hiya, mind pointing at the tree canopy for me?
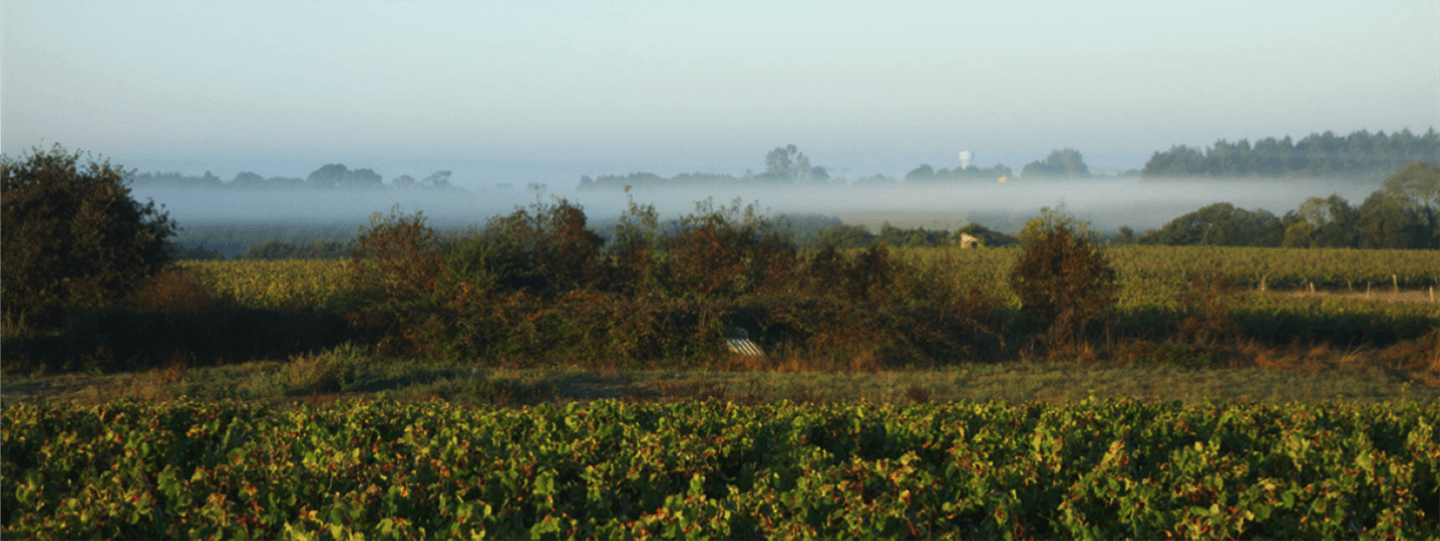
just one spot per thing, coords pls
(1404, 213)
(73, 237)
(1318, 154)
(1063, 163)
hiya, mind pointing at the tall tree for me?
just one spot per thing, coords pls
(1063, 163)
(73, 237)
(788, 163)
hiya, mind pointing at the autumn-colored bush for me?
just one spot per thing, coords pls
(542, 250)
(1065, 284)
(723, 252)
(398, 256)
(536, 287)
(865, 277)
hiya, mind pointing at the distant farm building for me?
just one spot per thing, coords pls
(968, 241)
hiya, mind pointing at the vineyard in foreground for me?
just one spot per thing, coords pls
(610, 469)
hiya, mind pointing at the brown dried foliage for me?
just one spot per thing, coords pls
(1064, 283)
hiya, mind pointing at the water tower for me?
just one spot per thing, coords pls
(966, 157)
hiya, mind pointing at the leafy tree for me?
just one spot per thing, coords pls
(789, 163)
(1300, 234)
(921, 174)
(725, 251)
(1335, 221)
(398, 256)
(1387, 222)
(1220, 224)
(1063, 163)
(1417, 186)
(1179, 161)
(336, 175)
(247, 178)
(543, 250)
(1405, 212)
(73, 237)
(1125, 235)
(438, 179)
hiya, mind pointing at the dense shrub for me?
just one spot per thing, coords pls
(398, 256)
(726, 251)
(542, 250)
(73, 237)
(535, 287)
(866, 276)
(1064, 283)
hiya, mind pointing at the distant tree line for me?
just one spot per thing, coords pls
(1404, 214)
(927, 174)
(783, 166)
(333, 176)
(270, 250)
(1322, 154)
(788, 166)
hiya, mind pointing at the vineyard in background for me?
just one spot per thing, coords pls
(1146, 273)
(1152, 280)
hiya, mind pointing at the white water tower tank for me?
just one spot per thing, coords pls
(966, 157)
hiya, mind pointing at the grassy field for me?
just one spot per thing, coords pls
(297, 381)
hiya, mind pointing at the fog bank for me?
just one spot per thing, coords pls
(1108, 202)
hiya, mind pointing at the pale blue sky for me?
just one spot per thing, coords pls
(595, 88)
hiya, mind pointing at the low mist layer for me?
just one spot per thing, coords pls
(1108, 202)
